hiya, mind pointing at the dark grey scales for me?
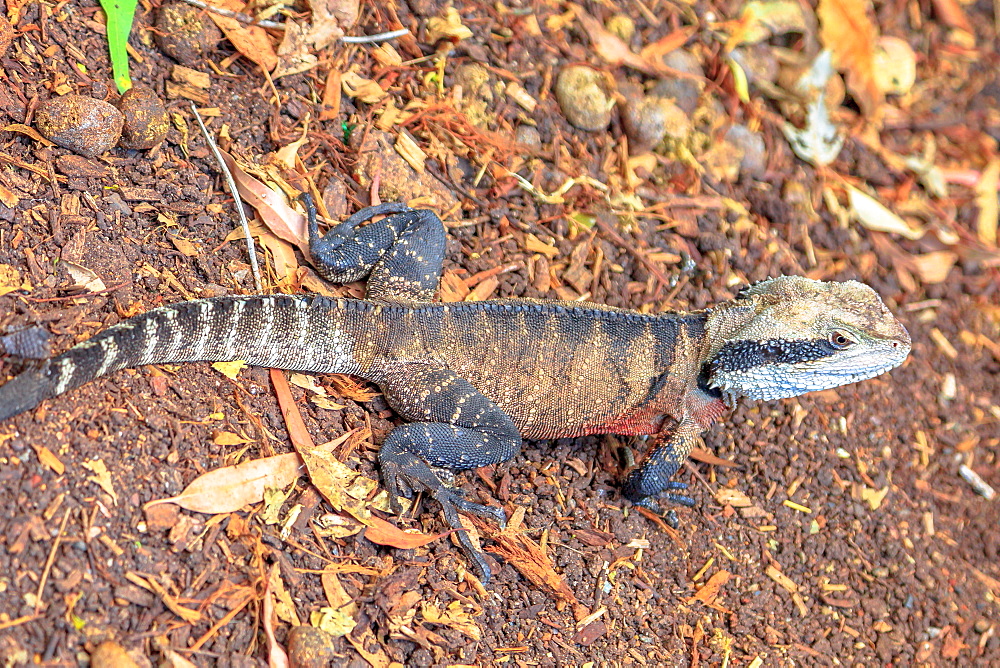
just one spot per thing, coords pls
(471, 380)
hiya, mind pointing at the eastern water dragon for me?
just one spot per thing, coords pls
(471, 379)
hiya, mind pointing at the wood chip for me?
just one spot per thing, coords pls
(783, 580)
(943, 344)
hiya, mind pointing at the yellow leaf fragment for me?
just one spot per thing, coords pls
(986, 200)
(449, 26)
(10, 280)
(875, 216)
(933, 267)
(228, 438)
(102, 477)
(334, 621)
(229, 369)
(874, 497)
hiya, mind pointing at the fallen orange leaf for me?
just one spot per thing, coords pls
(847, 30)
(386, 533)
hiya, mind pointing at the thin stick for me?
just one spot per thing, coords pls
(236, 199)
(48, 562)
(373, 39)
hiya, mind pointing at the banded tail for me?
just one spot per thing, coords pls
(301, 333)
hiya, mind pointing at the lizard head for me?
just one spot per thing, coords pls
(790, 335)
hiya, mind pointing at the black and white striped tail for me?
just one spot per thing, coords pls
(303, 333)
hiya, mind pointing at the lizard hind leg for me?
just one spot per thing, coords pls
(401, 254)
(455, 427)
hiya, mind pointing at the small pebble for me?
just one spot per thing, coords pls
(528, 135)
(82, 124)
(185, 33)
(310, 647)
(110, 654)
(982, 625)
(754, 161)
(583, 97)
(685, 93)
(146, 122)
(758, 61)
(648, 119)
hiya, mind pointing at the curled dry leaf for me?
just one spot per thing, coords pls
(228, 489)
(449, 26)
(873, 215)
(84, 279)
(279, 217)
(360, 88)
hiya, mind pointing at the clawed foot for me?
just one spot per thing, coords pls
(404, 473)
(651, 504)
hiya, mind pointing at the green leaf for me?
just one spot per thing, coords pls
(120, 14)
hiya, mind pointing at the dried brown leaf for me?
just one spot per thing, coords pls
(228, 489)
(609, 47)
(848, 31)
(284, 221)
(251, 41)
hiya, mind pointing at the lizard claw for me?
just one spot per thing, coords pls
(403, 472)
(670, 517)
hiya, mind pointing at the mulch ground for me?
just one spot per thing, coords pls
(836, 528)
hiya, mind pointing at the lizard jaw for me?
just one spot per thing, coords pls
(816, 369)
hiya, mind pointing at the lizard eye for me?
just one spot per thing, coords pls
(839, 340)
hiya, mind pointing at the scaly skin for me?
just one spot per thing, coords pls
(472, 379)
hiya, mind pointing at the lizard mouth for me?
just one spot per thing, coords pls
(772, 378)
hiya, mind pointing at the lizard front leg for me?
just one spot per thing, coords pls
(669, 451)
(401, 254)
(453, 426)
